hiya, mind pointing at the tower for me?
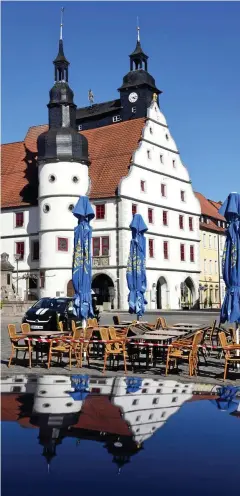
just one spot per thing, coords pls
(63, 177)
(138, 85)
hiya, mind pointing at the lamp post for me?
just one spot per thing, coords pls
(17, 257)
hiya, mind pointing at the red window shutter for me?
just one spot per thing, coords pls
(20, 249)
(180, 221)
(192, 253)
(190, 223)
(19, 219)
(165, 249)
(134, 209)
(96, 247)
(182, 252)
(150, 215)
(165, 218)
(105, 245)
(150, 246)
(100, 211)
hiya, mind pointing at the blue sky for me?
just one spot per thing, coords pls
(193, 50)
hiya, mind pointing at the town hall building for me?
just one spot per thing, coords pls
(122, 155)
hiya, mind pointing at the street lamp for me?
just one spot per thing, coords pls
(17, 257)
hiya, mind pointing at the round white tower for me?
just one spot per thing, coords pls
(63, 177)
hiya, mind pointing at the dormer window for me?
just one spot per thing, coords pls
(79, 127)
(116, 118)
(208, 221)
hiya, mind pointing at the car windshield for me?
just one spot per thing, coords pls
(52, 303)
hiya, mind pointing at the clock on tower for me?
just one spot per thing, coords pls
(138, 86)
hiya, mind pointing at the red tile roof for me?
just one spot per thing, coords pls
(110, 150)
(209, 209)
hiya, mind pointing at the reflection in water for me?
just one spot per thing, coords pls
(121, 413)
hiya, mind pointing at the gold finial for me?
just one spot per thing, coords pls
(154, 97)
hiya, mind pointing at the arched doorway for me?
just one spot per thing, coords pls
(162, 293)
(103, 288)
(70, 290)
(187, 293)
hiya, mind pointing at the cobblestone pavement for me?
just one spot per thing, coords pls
(212, 373)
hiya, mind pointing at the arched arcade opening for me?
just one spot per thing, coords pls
(104, 291)
(162, 293)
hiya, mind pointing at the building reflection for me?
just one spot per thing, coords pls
(120, 413)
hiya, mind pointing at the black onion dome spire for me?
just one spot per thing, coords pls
(139, 74)
(62, 142)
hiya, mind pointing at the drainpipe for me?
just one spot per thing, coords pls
(117, 250)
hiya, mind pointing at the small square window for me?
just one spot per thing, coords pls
(143, 184)
(62, 244)
(144, 391)
(163, 414)
(151, 131)
(100, 211)
(174, 399)
(150, 215)
(158, 391)
(134, 208)
(165, 217)
(150, 416)
(174, 163)
(161, 159)
(163, 190)
(19, 219)
(138, 418)
(182, 196)
(148, 154)
(134, 110)
(116, 118)
(79, 127)
(135, 402)
(155, 401)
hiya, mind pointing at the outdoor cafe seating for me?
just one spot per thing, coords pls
(141, 345)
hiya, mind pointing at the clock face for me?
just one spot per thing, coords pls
(133, 97)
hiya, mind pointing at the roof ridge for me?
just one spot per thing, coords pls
(12, 143)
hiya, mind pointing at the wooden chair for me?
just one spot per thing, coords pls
(60, 325)
(115, 348)
(184, 351)
(59, 348)
(25, 328)
(15, 338)
(230, 352)
(83, 348)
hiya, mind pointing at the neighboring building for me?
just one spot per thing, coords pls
(125, 166)
(212, 241)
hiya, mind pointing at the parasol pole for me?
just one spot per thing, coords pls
(238, 341)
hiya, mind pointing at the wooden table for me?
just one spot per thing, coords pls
(158, 338)
(169, 331)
